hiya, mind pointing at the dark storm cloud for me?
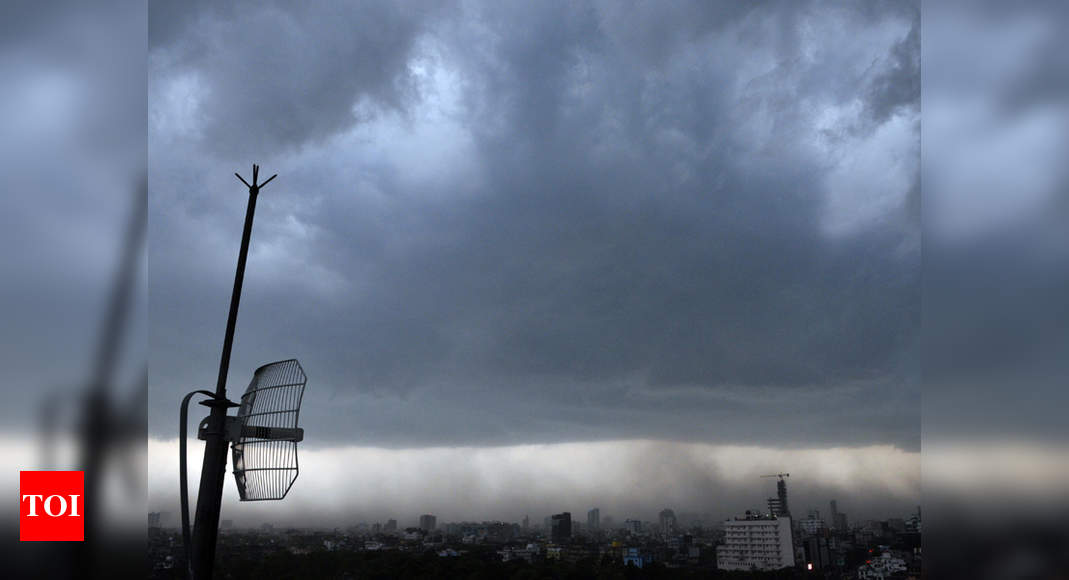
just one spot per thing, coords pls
(630, 239)
(899, 84)
(279, 75)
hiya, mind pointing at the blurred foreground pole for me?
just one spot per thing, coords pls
(209, 498)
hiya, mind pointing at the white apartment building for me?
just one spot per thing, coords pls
(756, 543)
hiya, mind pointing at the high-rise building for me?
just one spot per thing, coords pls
(667, 520)
(813, 523)
(838, 518)
(526, 523)
(755, 542)
(561, 527)
(428, 522)
(777, 506)
(593, 520)
(154, 519)
(390, 527)
(817, 553)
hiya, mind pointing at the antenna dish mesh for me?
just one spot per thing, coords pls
(265, 469)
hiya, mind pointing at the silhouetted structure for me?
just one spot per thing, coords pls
(667, 520)
(561, 527)
(593, 520)
(428, 522)
(817, 553)
(838, 519)
(264, 432)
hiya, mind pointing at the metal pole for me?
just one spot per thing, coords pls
(213, 471)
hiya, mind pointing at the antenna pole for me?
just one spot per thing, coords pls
(213, 471)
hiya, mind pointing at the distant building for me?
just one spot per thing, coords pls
(526, 523)
(667, 521)
(593, 520)
(762, 543)
(838, 518)
(812, 524)
(636, 557)
(886, 566)
(913, 524)
(428, 522)
(526, 554)
(561, 527)
(817, 553)
(154, 519)
(226, 524)
(390, 527)
(633, 527)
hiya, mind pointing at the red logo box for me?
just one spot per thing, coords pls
(51, 506)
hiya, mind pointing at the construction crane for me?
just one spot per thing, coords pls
(779, 475)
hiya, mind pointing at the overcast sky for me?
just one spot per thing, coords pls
(504, 224)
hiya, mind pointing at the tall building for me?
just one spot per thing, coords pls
(762, 543)
(838, 518)
(817, 553)
(390, 527)
(841, 523)
(813, 523)
(667, 519)
(428, 523)
(526, 523)
(777, 506)
(593, 520)
(561, 527)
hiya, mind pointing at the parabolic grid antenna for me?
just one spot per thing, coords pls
(265, 432)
